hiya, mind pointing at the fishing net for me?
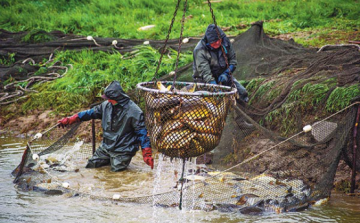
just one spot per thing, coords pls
(41, 151)
(185, 124)
(255, 167)
(272, 173)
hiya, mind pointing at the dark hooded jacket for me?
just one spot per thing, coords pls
(209, 63)
(123, 124)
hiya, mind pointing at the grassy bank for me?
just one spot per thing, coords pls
(122, 19)
(309, 22)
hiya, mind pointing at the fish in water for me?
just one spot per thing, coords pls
(251, 210)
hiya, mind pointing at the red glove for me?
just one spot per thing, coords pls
(147, 157)
(69, 120)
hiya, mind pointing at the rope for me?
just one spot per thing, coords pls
(339, 45)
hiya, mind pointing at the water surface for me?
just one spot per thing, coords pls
(31, 206)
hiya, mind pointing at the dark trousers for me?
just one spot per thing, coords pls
(119, 161)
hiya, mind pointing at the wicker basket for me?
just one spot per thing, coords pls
(185, 124)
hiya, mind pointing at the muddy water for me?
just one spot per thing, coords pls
(31, 206)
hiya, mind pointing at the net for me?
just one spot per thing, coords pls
(274, 174)
(185, 124)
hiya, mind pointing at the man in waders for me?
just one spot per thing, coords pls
(123, 130)
(209, 64)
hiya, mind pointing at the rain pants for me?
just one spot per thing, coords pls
(123, 127)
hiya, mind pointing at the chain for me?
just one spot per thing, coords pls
(180, 42)
(212, 13)
(222, 48)
(167, 38)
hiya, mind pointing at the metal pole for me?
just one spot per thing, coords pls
(93, 135)
(181, 180)
(93, 129)
(356, 136)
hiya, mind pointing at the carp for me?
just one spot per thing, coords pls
(211, 140)
(194, 112)
(165, 101)
(171, 125)
(161, 87)
(176, 139)
(206, 126)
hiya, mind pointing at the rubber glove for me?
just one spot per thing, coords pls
(68, 120)
(147, 157)
(224, 78)
(212, 82)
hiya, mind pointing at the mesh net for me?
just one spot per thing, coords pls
(186, 124)
(254, 167)
(302, 174)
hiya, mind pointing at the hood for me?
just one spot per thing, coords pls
(115, 92)
(211, 34)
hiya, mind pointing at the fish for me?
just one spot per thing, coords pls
(242, 199)
(194, 112)
(320, 202)
(189, 88)
(177, 140)
(211, 140)
(155, 133)
(53, 192)
(164, 115)
(172, 125)
(166, 101)
(161, 87)
(251, 210)
(227, 207)
(46, 187)
(206, 126)
(196, 147)
(175, 136)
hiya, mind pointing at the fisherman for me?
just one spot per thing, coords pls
(209, 64)
(123, 130)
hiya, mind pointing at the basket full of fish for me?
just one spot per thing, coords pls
(185, 119)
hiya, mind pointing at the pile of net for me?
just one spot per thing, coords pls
(187, 122)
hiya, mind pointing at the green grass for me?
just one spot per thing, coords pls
(121, 19)
(93, 71)
(308, 99)
(341, 97)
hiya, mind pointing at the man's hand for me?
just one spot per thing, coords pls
(147, 157)
(68, 120)
(224, 78)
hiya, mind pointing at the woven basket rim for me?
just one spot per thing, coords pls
(232, 91)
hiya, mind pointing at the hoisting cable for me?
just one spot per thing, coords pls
(181, 180)
(166, 40)
(180, 42)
